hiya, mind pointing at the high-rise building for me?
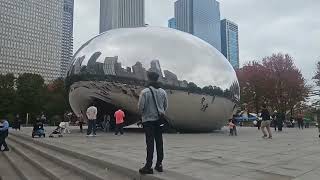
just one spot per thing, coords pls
(67, 36)
(121, 14)
(31, 37)
(230, 42)
(155, 67)
(172, 23)
(200, 18)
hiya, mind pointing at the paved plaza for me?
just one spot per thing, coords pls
(291, 154)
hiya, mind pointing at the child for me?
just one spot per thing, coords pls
(231, 126)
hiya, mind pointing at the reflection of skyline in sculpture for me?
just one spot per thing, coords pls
(111, 66)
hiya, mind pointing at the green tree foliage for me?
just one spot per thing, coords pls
(7, 94)
(56, 99)
(30, 94)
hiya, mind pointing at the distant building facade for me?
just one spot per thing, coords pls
(200, 18)
(230, 42)
(32, 37)
(67, 36)
(172, 23)
(109, 65)
(121, 14)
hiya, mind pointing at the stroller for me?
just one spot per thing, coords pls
(57, 132)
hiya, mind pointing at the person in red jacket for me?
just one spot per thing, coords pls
(119, 115)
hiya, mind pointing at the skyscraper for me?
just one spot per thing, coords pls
(230, 42)
(200, 18)
(121, 14)
(31, 37)
(67, 36)
(172, 23)
(155, 67)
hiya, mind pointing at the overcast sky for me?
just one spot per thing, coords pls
(265, 26)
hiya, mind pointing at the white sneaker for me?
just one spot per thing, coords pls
(90, 135)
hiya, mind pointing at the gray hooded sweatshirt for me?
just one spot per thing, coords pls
(147, 106)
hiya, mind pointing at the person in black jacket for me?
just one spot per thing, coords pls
(265, 123)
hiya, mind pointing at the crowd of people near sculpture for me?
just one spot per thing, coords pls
(152, 105)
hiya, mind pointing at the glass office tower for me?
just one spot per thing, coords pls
(200, 18)
(230, 42)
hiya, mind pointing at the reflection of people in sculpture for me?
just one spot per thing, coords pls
(202, 100)
(204, 107)
(153, 102)
(213, 98)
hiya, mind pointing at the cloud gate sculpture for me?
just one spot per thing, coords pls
(110, 69)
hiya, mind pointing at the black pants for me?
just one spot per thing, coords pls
(300, 124)
(153, 132)
(92, 127)
(119, 127)
(3, 136)
(259, 124)
(81, 128)
(231, 132)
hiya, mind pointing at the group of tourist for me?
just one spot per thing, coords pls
(91, 115)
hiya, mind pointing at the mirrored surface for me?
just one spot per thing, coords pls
(111, 68)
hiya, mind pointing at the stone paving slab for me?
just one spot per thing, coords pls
(290, 154)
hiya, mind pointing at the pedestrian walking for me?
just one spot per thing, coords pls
(4, 132)
(300, 120)
(153, 103)
(17, 122)
(230, 126)
(119, 116)
(265, 123)
(275, 120)
(280, 120)
(92, 112)
(234, 121)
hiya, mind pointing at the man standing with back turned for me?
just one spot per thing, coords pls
(92, 119)
(152, 102)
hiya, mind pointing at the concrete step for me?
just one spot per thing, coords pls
(122, 167)
(48, 166)
(25, 169)
(7, 171)
(64, 164)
